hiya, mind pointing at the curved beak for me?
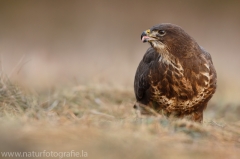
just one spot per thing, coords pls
(144, 37)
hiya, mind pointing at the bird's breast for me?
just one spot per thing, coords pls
(177, 87)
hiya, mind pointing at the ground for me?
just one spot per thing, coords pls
(98, 122)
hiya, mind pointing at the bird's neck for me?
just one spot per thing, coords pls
(166, 57)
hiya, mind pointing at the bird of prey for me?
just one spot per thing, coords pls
(176, 76)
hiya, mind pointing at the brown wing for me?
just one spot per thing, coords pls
(212, 69)
(142, 81)
(207, 55)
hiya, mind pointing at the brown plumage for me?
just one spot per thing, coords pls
(176, 76)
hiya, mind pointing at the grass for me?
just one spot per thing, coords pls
(100, 121)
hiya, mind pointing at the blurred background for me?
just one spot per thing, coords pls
(45, 43)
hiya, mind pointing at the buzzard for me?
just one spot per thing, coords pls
(176, 76)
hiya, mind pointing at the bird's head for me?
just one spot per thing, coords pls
(170, 37)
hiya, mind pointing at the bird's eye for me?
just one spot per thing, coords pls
(161, 32)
